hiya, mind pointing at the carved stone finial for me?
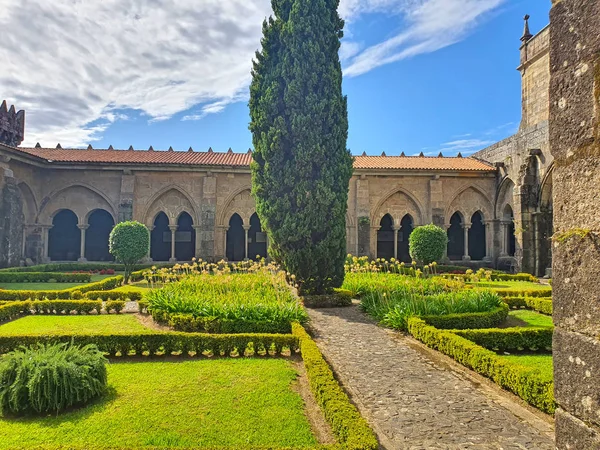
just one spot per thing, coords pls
(526, 34)
(190, 150)
(230, 151)
(58, 147)
(38, 145)
(383, 154)
(364, 154)
(12, 125)
(90, 147)
(249, 151)
(440, 155)
(130, 148)
(171, 149)
(421, 154)
(3, 107)
(110, 147)
(459, 155)
(402, 154)
(210, 150)
(151, 149)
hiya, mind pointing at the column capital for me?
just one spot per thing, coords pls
(246, 227)
(506, 222)
(173, 227)
(83, 226)
(466, 226)
(197, 227)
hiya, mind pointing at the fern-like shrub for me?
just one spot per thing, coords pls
(50, 378)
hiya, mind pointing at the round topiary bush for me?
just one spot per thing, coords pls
(129, 242)
(50, 378)
(427, 244)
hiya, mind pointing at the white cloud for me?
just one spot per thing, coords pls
(431, 25)
(72, 63)
(465, 145)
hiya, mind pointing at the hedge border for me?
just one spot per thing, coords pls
(65, 294)
(510, 339)
(540, 304)
(14, 310)
(544, 293)
(464, 321)
(66, 267)
(350, 428)
(527, 383)
(44, 277)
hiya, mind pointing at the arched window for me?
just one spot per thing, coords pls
(160, 239)
(477, 237)
(509, 231)
(236, 239)
(406, 228)
(100, 224)
(257, 239)
(64, 238)
(385, 238)
(456, 237)
(185, 238)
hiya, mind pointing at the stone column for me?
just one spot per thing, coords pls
(575, 145)
(373, 241)
(488, 240)
(395, 228)
(82, 227)
(246, 229)
(505, 231)
(148, 258)
(197, 230)
(173, 229)
(466, 227)
(224, 230)
(45, 238)
(445, 258)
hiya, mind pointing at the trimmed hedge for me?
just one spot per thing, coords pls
(350, 428)
(542, 305)
(41, 277)
(68, 267)
(14, 310)
(129, 295)
(105, 285)
(340, 297)
(143, 306)
(496, 276)
(114, 305)
(510, 339)
(191, 324)
(464, 321)
(527, 383)
(524, 293)
(159, 343)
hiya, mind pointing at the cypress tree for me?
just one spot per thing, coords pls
(299, 123)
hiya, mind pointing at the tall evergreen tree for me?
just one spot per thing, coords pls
(299, 122)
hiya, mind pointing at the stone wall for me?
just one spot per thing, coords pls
(11, 219)
(575, 144)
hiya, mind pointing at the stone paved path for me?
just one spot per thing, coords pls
(412, 401)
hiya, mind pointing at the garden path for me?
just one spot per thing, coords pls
(415, 400)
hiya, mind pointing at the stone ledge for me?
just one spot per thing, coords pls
(573, 434)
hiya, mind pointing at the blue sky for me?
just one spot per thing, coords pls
(420, 75)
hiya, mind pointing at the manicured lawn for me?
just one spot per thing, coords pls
(223, 402)
(48, 286)
(115, 324)
(536, 361)
(526, 318)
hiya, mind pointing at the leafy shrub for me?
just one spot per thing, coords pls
(524, 292)
(510, 339)
(339, 297)
(129, 242)
(65, 306)
(529, 384)
(235, 301)
(41, 277)
(114, 305)
(143, 306)
(462, 321)
(128, 295)
(427, 244)
(50, 378)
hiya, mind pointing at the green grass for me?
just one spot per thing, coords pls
(49, 286)
(536, 361)
(526, 318)
(223, 402)
(113, 323)
(511, 285)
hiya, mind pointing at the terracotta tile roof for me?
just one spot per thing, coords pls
(230, 159)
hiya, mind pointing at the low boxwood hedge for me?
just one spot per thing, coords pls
(540, 304)
(129, 295)
(163, 343)
(464, 321)
(545, 293)
(510, 339)
(76, 292)
(13, 310)
(189, 323)
(42, 277)
(349, 427)
(340, 297)
(68, 267)
(527, 383)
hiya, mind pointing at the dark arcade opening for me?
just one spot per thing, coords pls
(100, 224)
(385, 238)
(160, 239)
(236, 241)
(257, 239)
(477, 237)
(456, 238)
(511, 240)
(185, 238)
(406, 228)
(64, 238)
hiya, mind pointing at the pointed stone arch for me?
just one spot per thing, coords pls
(397, 203)
(172, 200)
(504, 196)
(468, 200)
(30, 205)
(238, 202)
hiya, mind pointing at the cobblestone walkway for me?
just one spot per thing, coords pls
(414, 402)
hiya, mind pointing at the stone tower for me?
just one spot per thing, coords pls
(12, 125)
